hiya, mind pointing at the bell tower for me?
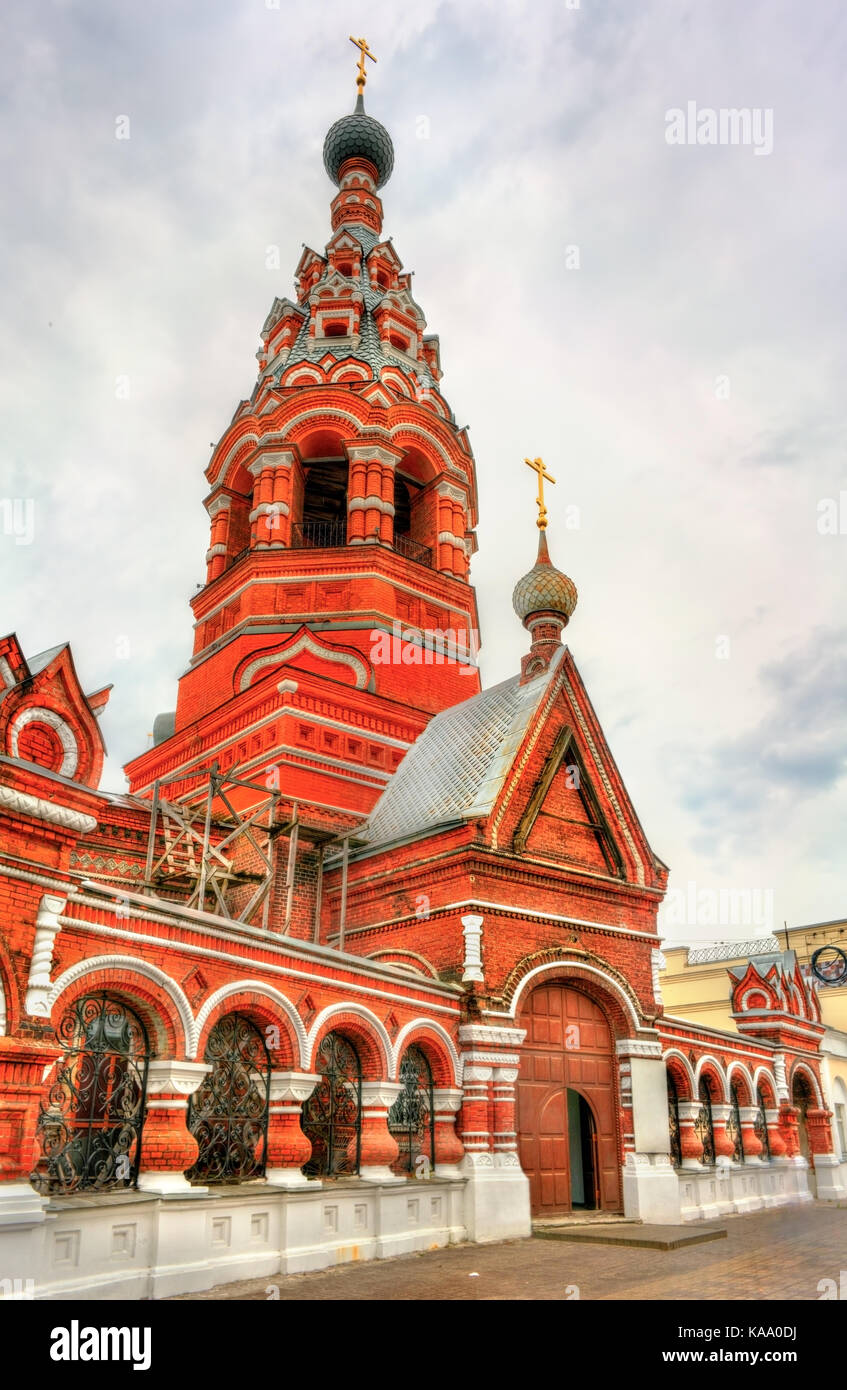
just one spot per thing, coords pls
(337, 615)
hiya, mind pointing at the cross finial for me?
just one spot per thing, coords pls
(364, 52)
(537, 466)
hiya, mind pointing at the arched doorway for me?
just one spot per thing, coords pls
(567, 1107)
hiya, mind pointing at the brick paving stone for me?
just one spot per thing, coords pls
(775, 1255)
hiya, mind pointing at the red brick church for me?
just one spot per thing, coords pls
(366, 960)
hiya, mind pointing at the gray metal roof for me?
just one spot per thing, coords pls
(38, 663)
(457, 766)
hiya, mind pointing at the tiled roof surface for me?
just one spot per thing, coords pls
(458, 764)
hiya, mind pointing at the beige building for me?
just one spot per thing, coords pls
(696, 985)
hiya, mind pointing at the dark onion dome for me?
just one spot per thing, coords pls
(545, 589)
(359, 136)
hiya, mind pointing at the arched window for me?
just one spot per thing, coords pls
(411, 1117)
(703, 1127)
(733, 1127)
(761, 1125)
(324, 521)
(228, 1114)
(673, 1121)
(332, 1116)
(89, 1126)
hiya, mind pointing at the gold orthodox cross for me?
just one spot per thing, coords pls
(537, 466)
(364, 52)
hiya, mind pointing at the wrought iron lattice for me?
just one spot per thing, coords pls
(673, 1123)
(411, 1117)
(703, 1126)
(89, 1126)
(228, 1114)
(332, 1116)
(760, 1126)
(733, 1128)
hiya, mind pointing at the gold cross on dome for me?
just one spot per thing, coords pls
(537, 466)
(364, 52)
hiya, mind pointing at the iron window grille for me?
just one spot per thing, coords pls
(228, 1114)
(703, 1126)
(733, 1128)
(411, 1117)
(761, 1125)
(673, 1122)
(89, 1127)
(332, 1116)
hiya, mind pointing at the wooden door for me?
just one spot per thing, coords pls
(568, 1045)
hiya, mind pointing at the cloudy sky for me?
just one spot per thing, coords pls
(662, 322)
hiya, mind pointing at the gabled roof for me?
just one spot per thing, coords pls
(455, 769)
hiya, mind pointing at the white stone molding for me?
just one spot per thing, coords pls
(561, 969)
(119, 966)
(306, 643)
(658, 963)
(679, 1056)
(472, 964)
(22, 804)
(362, 504)
(478, 1058)
(268, 992)
(491, 1034)
(60, 726)
(801, 1069)
(372, 453)
(424, 1026)
(780, 1076)
(221, 503)
(47, 928)
(7, 675)
(358, 1011)
(280, 458)
(3, 1015)
(638, 1047)
(711, 1061)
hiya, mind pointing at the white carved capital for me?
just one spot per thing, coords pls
(447, 1100)
(292, 1085)
(168, 1077)
(380, 1095)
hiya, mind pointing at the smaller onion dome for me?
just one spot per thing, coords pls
(544, 590)
(359, 136)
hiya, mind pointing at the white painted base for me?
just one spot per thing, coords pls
(830, 1178)
(377, 1172)
(140, 1245)
(496, 1198)
(734, 1188)
(651, 1190)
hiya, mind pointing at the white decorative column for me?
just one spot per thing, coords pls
(378, 1148)
(288, 1147)
(497, 1194)
(472, 965)
(168, 1148)
(650, 1183)
(47, 928)
(449, 1149)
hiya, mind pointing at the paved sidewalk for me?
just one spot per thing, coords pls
(768, 1255)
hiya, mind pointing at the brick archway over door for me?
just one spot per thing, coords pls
(569, 1046)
